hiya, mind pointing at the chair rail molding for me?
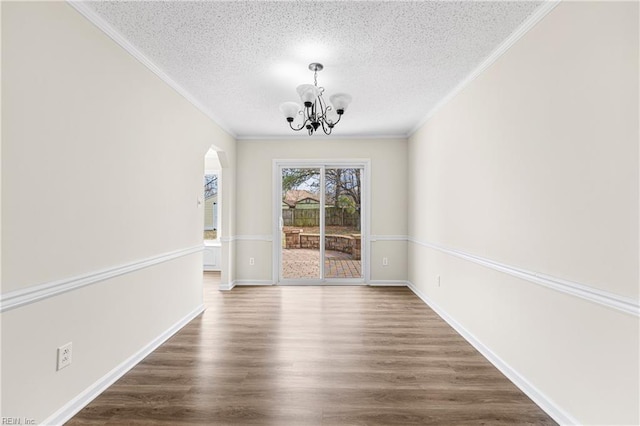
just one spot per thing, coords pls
(583, 291)
(268, 238)
(375, 238)
(24, 296)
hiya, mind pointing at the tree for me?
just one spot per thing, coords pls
(210, 185)
(344, 186)
(296, 178)
(349, 186)
(337, 182)
(345, 182)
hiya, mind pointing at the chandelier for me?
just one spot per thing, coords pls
(315, 113)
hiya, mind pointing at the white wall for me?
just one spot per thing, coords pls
(102, 166)
(388, 198)
(534, 165)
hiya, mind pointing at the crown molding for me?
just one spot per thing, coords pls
(527, 25)
(115, 35)
(298, 138)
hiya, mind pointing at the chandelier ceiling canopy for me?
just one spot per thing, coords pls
(315, 112)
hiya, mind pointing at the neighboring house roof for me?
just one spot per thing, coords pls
(294, 196)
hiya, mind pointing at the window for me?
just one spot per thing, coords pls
(211, 206)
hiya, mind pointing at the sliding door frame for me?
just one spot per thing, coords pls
(365, 218)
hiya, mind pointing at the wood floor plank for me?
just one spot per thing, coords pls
(313, 356)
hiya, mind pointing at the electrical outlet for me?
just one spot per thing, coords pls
(385, 261)
(64, 356)
(438, 280)
(252, 261)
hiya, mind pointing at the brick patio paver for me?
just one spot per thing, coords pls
(305, 263)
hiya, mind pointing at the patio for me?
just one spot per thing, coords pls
(305, 263)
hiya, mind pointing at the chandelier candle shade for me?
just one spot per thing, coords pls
(315, 110)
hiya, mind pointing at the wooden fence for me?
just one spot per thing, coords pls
(334, 216)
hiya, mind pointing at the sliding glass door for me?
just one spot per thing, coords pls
(300, 220)
(320, 223)
(342, 236)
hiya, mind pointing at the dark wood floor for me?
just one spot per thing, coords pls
(313, 356)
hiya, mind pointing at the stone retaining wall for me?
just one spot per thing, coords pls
(351, 244)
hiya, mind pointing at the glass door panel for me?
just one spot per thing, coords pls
(342, 223)
(301, 226)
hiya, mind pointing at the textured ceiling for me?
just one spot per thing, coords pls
(241, 59)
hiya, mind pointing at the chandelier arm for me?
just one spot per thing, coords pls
(293, 128)
(324, 128)
(327, 127)
(333, 124)
(299, 128)
(306, 115)
(323, 108)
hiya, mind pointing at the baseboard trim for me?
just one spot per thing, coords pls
(373, 283)
(538, 397)
(35, 293)
(72, 407)
(388, 283)
(583, 291)
(226, 286)
(253, 282)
